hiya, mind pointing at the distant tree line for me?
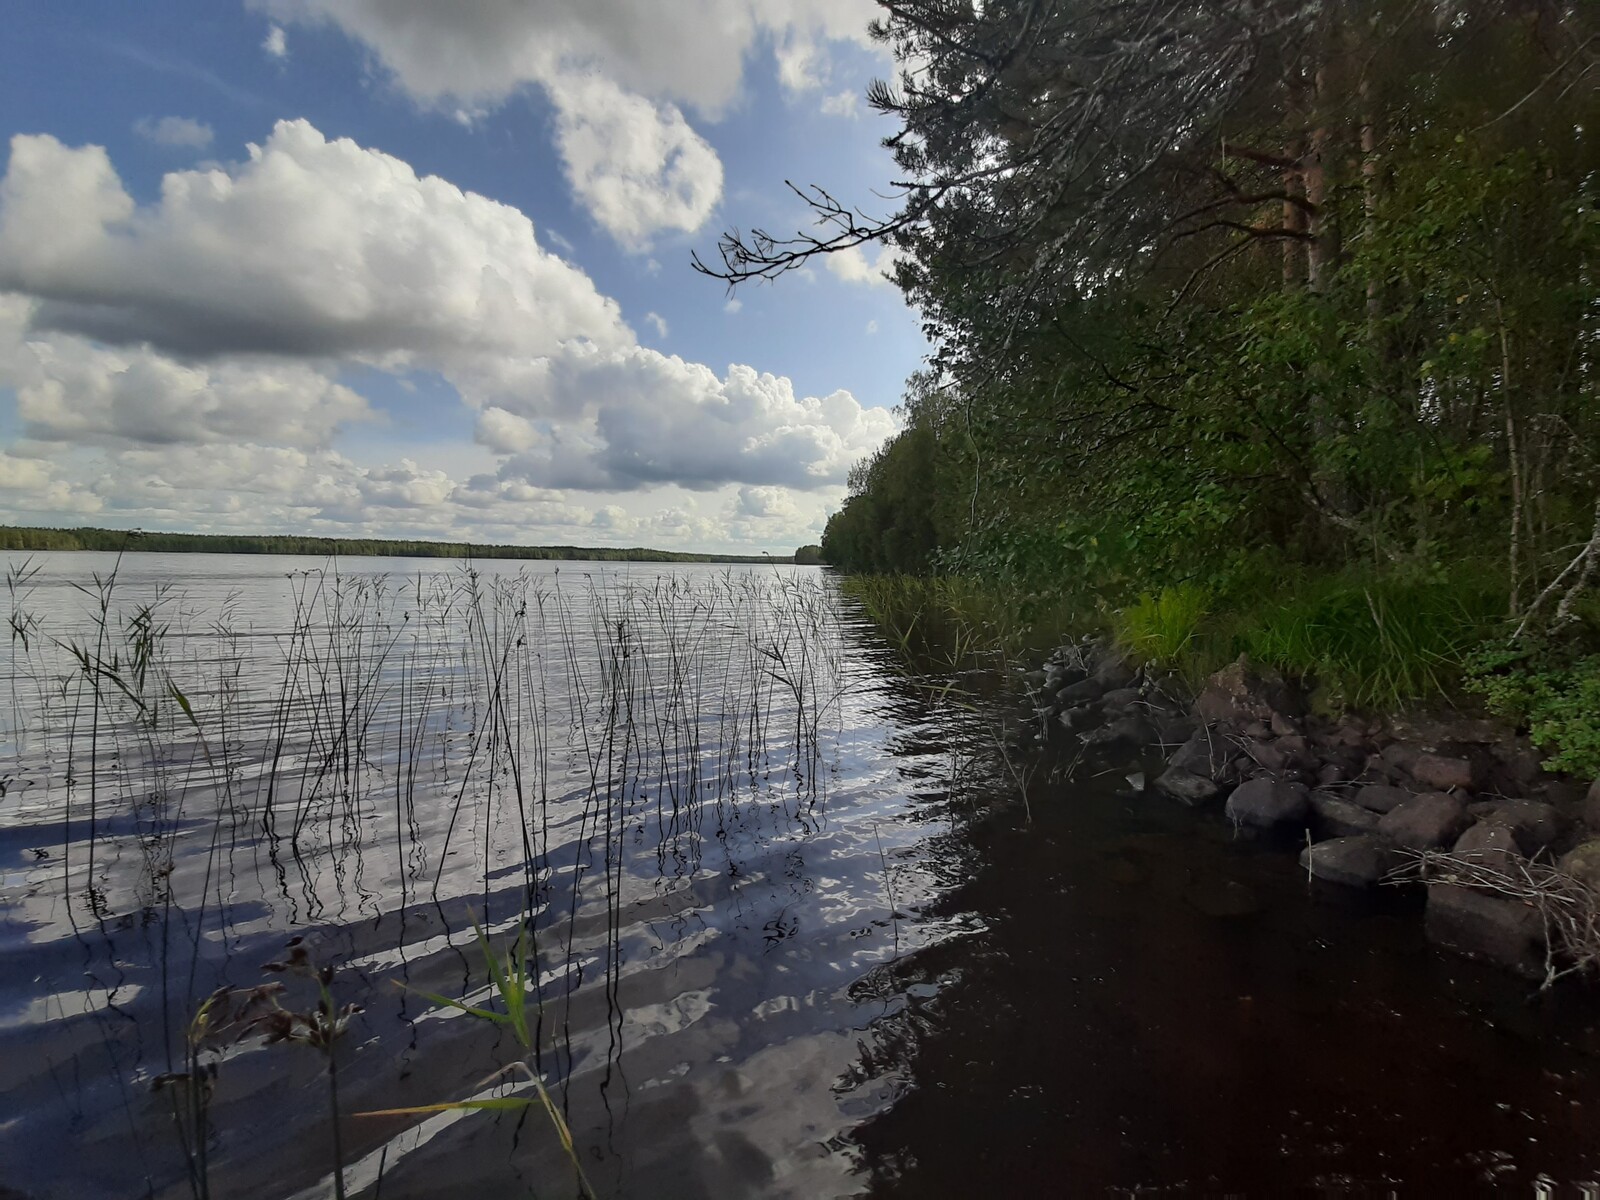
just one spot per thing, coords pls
(14, 537)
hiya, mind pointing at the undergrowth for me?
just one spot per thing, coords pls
(1363, 639)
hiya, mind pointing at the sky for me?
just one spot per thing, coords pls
(401, 268)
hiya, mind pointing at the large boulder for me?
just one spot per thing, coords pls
(1489, 844)
(1341, 818)
(1359, 861)
(1268, 804)
(1491, 928)
(1187, 787)
(1534, 824)
(1241, 693)
(1425, 822)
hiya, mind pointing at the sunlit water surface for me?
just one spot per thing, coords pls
(790, 933)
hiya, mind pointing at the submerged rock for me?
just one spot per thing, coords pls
(1186, 786)
(1208, 752)
(1425, 822)
(1359, 861)
(1267, 804)
(1494, 929)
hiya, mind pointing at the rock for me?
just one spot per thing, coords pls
(1121, 697)
(1377, 768)
(1113, 671)
(1339, 818)
(1077, 718)
(1535, 825)
(1330, 773)
(1358, 861)
(1519, 764)
(1186, 786)
(1267, 754)
(1583, 864)
(1560, 792)
(1129, 731)
(1425, 822)
(1490, 844)
(1085, 691)
(1381, 798)
(1490, 928)
(1591, 806)
(1430, 731)
(1175, 730)
(1349, 735)
(1399, 755)
(1267, 804)
(1241, 693)
(1207, 752)
(1283, 725)
(1442, 773)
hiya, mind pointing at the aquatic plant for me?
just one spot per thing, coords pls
(508, 973)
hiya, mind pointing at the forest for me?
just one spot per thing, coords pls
(1266, 327)
(15, 537)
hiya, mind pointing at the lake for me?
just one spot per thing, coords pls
(787, 928)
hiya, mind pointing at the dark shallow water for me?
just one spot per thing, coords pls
(783, 947)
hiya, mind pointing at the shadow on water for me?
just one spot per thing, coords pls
(789, 933)
(1156, 1006)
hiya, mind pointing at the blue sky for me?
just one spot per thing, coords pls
(392, 268)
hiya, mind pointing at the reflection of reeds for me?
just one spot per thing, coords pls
(529, 719)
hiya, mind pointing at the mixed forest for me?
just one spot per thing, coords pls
(1267, 326)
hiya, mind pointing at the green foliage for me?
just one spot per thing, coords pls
(1160, 628)
(808, 556)
(1367, 639)
(1554, 693)
(953, 621)
(509, 974)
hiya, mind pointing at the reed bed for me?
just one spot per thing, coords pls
(501, 741)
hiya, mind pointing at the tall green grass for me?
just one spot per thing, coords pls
(1161, 627)
(1366, 640)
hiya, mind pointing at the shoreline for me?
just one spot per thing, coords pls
(1508, 852)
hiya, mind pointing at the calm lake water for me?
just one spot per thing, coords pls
(789, 933)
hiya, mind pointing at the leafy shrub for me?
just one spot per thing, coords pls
(1555, 696)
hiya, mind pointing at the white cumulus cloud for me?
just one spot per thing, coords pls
(637, 166)
(308, 247)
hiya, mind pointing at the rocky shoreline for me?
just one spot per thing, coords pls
(1509, 855)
